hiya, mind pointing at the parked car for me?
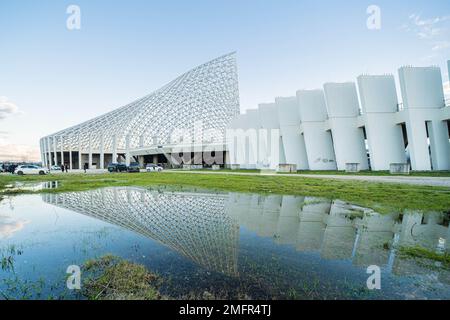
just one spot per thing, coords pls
(117, 167)
(55, 168)
(30, 169)
(134, 167)
(153, 168)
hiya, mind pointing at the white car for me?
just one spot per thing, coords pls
(153, 168)
(55, 168)
(30, 169)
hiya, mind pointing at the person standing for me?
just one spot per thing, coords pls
(85, 167)
(66, 167)
(62, 167)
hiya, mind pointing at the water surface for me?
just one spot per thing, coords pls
(220, 245)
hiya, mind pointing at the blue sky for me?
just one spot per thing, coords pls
(51, 77)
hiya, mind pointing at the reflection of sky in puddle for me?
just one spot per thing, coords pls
(31, 186)
(231, 245)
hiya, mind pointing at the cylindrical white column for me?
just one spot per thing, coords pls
(55, 155)
(41, 144)
(102, 151)
(61, 139)
(90, 152)
(70, 154)
(127, 149)
(80, 154)
(49, 152)
(114, 148)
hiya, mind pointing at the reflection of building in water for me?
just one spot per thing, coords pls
(193, 224)
(338, 230)
(205, 227)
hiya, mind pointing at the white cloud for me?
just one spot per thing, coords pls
(14, 152)
(8, 226)
(7, 108)
(436, 30)
(441, 45)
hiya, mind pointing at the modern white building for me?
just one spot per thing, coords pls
(189, 115)
(346, 126)
(343, 126)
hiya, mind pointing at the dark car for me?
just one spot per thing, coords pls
(134, 167)
(117, 167)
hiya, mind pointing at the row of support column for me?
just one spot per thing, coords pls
(50, 150)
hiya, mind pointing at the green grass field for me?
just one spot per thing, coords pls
(378, 196)
(443, 174)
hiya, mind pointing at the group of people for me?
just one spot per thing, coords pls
(65, 168)
(8, 168)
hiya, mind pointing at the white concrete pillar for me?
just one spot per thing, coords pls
(439, 144)
(270, 145)
(69, 149)
(49, 152)
(41, 148)
(348, 139)
(141, 161)
(114, 149)
(253, 126)
(318, 143)
(423, 99)
(293, 141)
(90, 152)
(70, 154)
(237, 141)
(61, 139)
(379, 105)
(55, 155)
(102, 151)
(80, 153)
(127, 149)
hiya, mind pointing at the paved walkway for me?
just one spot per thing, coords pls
(412, 180)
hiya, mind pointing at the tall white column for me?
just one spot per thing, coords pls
(49, 152)
(114, 147)
(102, 151)
(41, 145)
(80, 154)
(70, 154)
(127, 149)
(90, 152)
(55, 155)
(318, 142)
(343, 110)
(62, 149)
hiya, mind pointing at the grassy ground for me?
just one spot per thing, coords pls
(112, 278)
(378, 196)
(443, 174)
(381, 173)
(423, 253)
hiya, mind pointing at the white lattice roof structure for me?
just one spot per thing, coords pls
(195, 225)
(208, 94)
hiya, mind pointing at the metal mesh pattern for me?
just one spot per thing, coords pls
(208, 93)
(195, 225)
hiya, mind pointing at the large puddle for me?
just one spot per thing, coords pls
(221, 245)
